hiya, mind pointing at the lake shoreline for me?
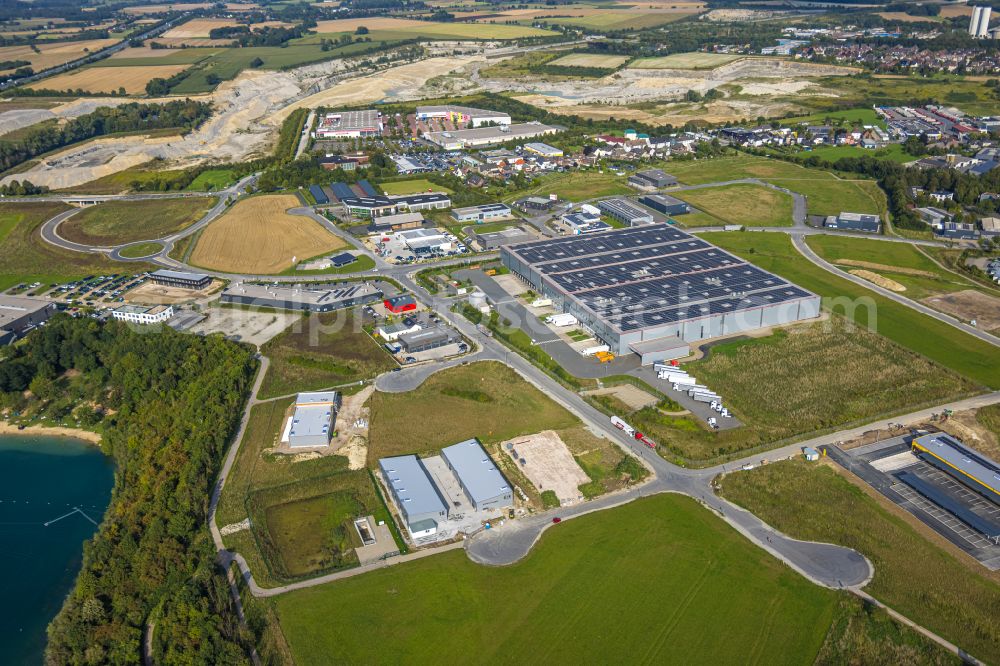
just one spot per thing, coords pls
(53, 431)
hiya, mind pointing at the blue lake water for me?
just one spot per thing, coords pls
(41, 480)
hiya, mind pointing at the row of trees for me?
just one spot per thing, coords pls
(184, 114)
(170, 404)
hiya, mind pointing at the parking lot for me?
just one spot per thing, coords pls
(463, 517)
(244, 325)
(396, 250)
(880, 466)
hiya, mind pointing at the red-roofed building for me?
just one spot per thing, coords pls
(398, 304)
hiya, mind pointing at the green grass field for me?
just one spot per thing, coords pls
(322, 350)
(264, 484)
(117, 222)
(901, 262)
(25, 257)
(486, 400)
(936, 340)
(592, 590)
(212, 179)
(575, 186)
(820, 377)
(893, 152)
(415, 186)
(363, 263)
(749, 205)
(123, 181)
(141, 250)
(827, 194)
(933, 586)
(865, 116)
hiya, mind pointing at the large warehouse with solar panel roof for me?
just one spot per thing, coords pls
(656, 282)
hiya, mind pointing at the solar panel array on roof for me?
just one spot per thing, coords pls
(342, 190)
(653, 276)
(318, 194)
(367, 188)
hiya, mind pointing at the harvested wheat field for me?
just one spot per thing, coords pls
(590, 60)
(258, 236)
(54, 54)
(880, 280)
(203, 27)
(109, 79)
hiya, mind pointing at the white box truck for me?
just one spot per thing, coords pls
(560, 320)
(621, 425)
(590, 351)
(541, 302)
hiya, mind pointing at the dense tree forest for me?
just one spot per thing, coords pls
(185, 114)
(167, 405)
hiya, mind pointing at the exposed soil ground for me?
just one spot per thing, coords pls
(157, 294)
(968, 305)
(632, 396)
(880, 280)
(548, 464)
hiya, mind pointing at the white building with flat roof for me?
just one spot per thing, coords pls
(351, 124)
(143, 314)
(463, 115)
(311, 423)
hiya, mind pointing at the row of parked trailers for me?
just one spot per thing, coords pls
(680, 380)
(342, 191)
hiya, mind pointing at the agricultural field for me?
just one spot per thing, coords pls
(744, 204)
(696, 60)
(864, 116)
(323, 350)
(590, 60)
(398, 28)
(415, 186)
(118, 222)
(54, 54)
(258, 236)
(906, 264)
(933, 339)
(546, 607)
(916, 572)
(827, 194)
(574, 186)
(201, 28)
(108, 79)
(620, 20)
(820, 376)
(25, 257)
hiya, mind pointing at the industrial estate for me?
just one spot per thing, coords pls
(390, 314)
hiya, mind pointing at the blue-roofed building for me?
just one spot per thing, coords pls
(478, 475)
(342, 259)
(318, 194)
(964, 464)
(414, 493)
(369, 190)
(342, 191)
